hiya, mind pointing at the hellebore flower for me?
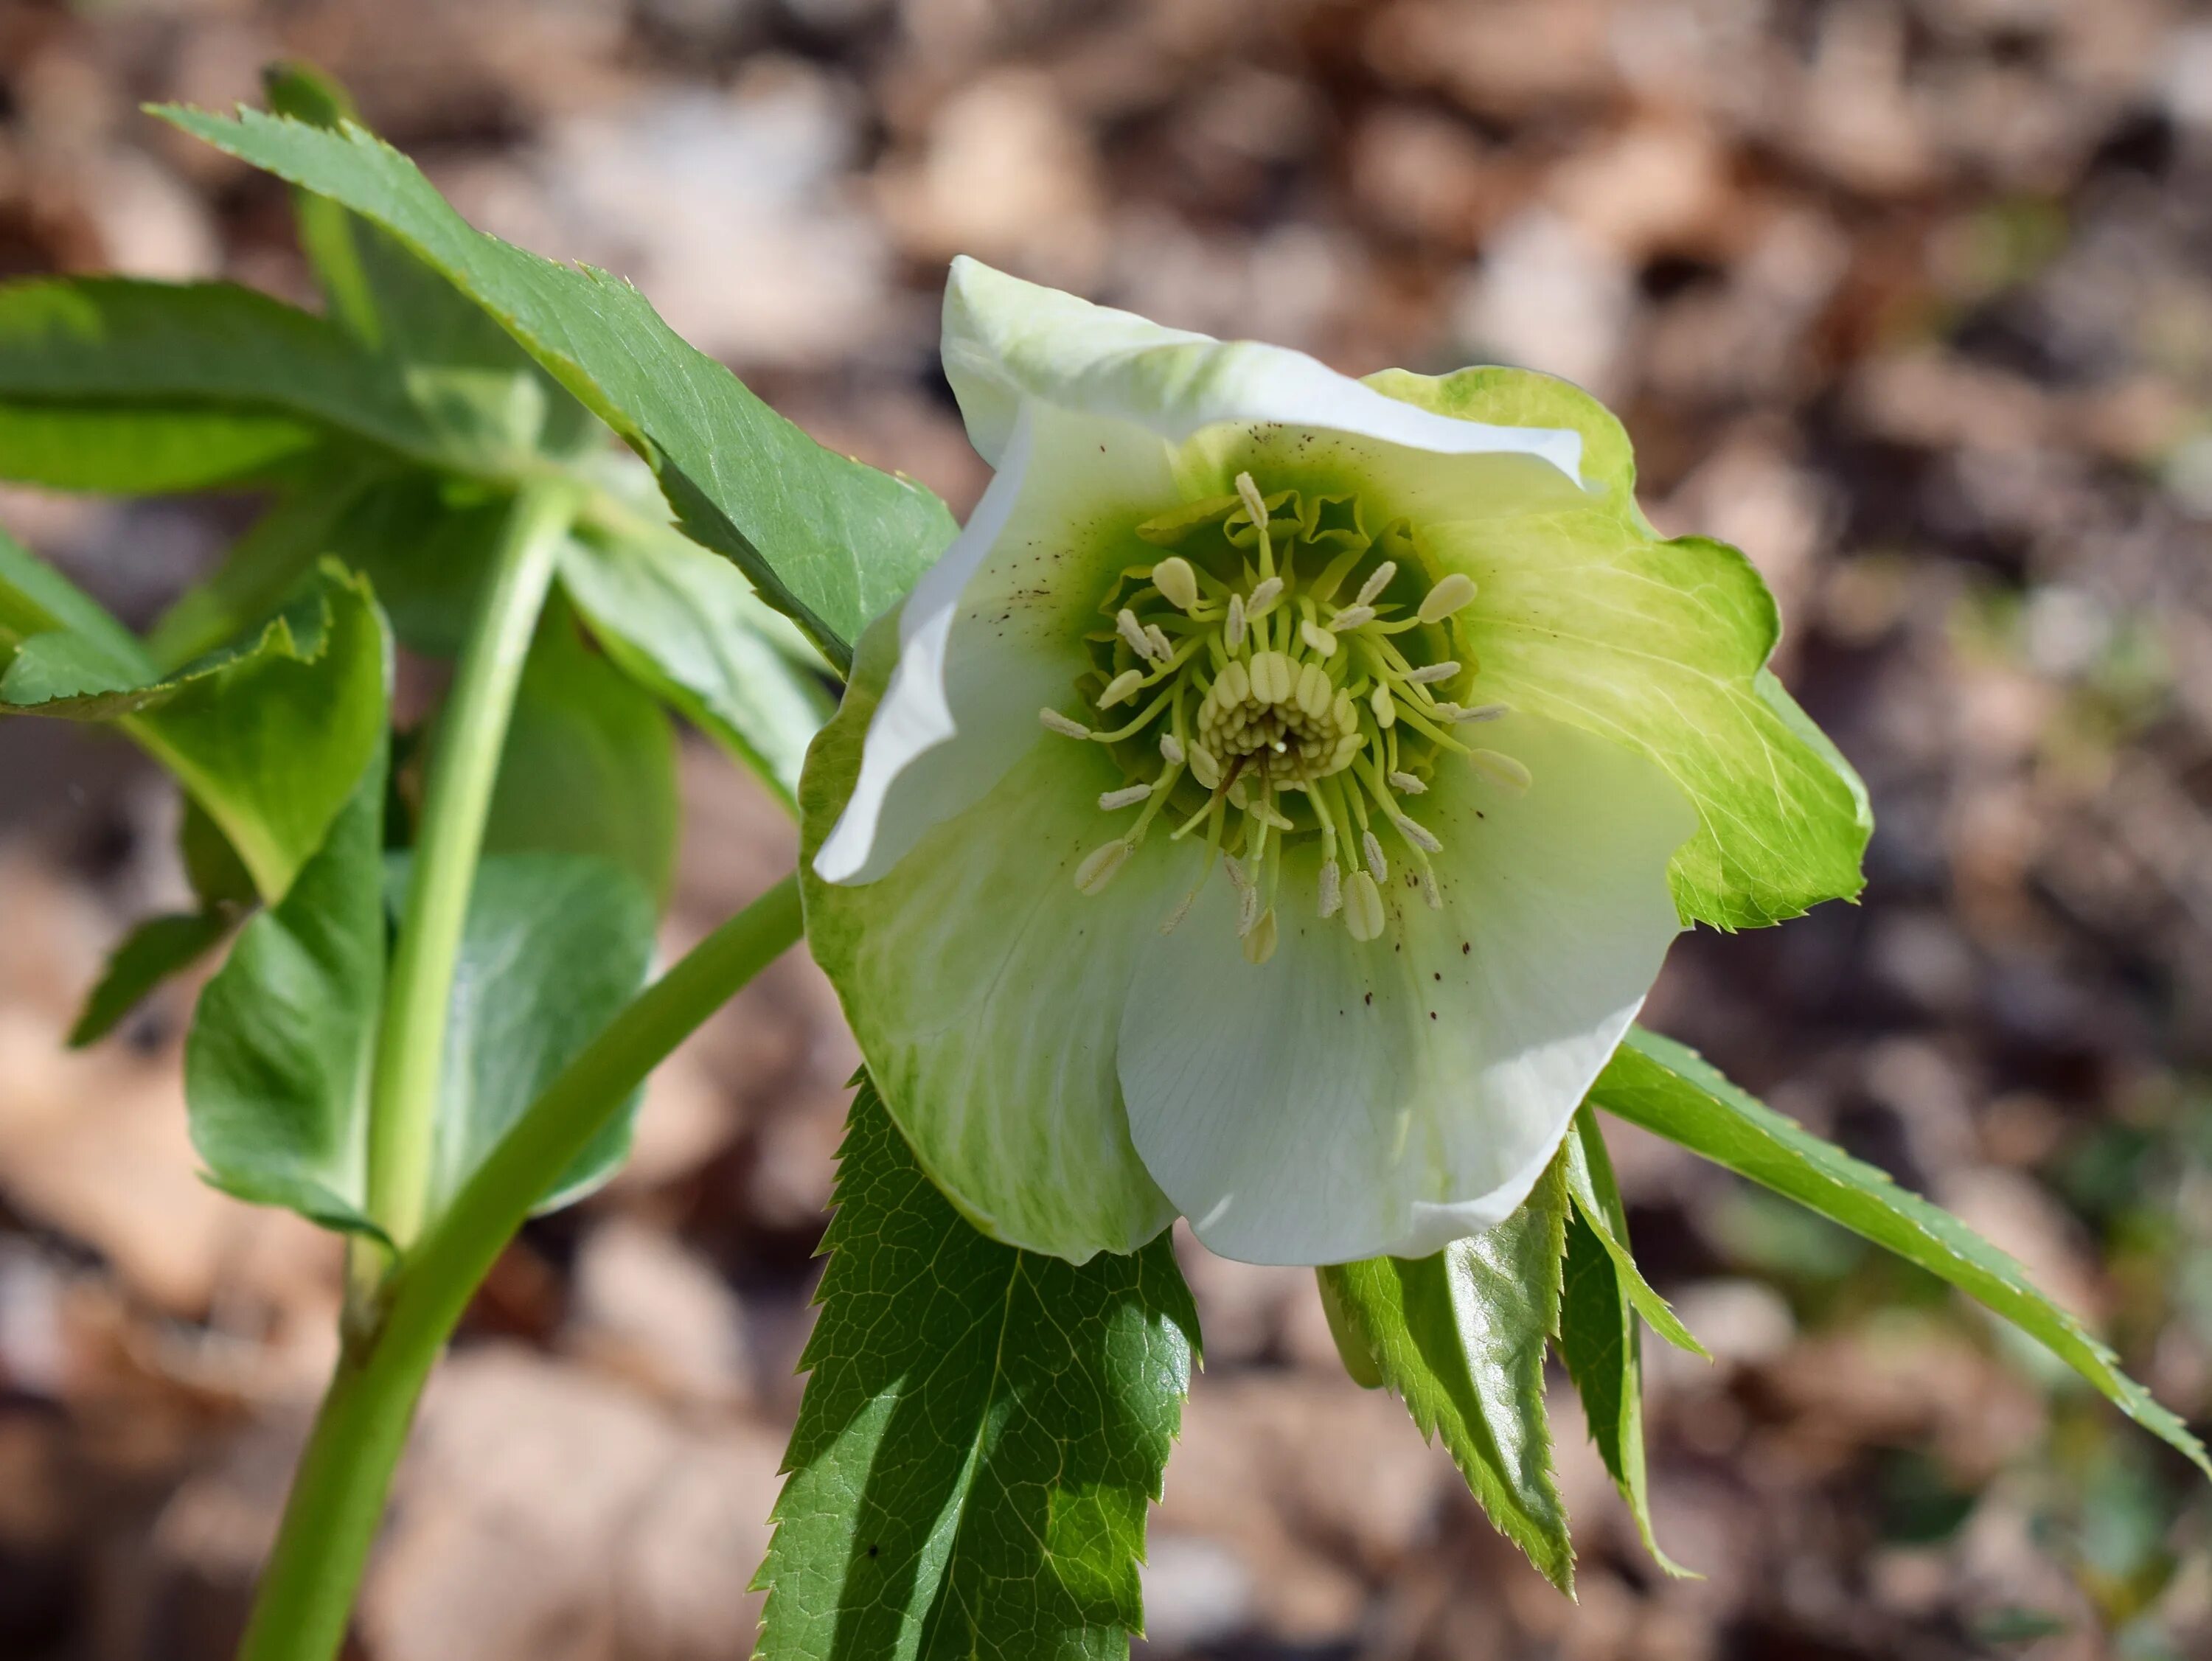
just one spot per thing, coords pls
(1274, 806)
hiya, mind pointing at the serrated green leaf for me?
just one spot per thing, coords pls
(425, 543)
(1597, 1196)
(217, 874)
(85, 341)
(269, 561)
(37, 599)
(157, 949)
(686, 624)
(1460, 1337)
(982, 1432)
(589, 765)
(1599, 1338)
(145, 450)
(1671, 1091)
(460, 362)
(164, 946)
(77, 676)
(278, 1065)
(270, 738)
(553, 947)
(829, 541)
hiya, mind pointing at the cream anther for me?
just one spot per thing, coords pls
(1352, 617)
(1122, 688)
(1055, 722)
(1177, 582)
(1232, 633)
(1450, 593)
(1377, 580)
(1127, 797)
(1384, 706)
(1256, 505)
(1419, 834)
(1407, 784)
(1499, 769)
(1172, 749)
(1376, 861)
(1126, 625)
(1332, 889)
(1363, 907)
(1100, 865)
(1319, 638)
(1430, 674)
(1264, 595)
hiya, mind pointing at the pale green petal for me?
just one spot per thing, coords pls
(1584, 614)
(1343, 1100)
(1525, 398)
(1007, 342)
(993, 632)
(986, 991)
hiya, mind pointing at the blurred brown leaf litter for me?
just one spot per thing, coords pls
(1912, 298)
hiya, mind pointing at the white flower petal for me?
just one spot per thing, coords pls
(985, 990)
(1344, 1100)
(1007, 340)
(993, 632)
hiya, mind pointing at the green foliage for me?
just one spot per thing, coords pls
(590, 762)
(147, 450)
(684, 623)
(1599, 1338)
(554, 945)
(36, 599)
(168, 945)
(269, 737)
(1460, 1337)
(1670, 1090)
(394, 303)
(982, 1432)
(99, 342)
(277, 1068)
(302, 524)
(157, 949)
(824, 538)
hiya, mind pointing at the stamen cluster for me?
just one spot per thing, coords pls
(1271, 708)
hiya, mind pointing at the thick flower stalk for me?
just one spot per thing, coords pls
(1275, 805)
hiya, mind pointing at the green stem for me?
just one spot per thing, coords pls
(306, 1591)
(463, 767)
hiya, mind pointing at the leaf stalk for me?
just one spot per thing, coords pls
(464, 769)
(307, 1592)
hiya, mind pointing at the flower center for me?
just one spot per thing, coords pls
(1289, 675)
